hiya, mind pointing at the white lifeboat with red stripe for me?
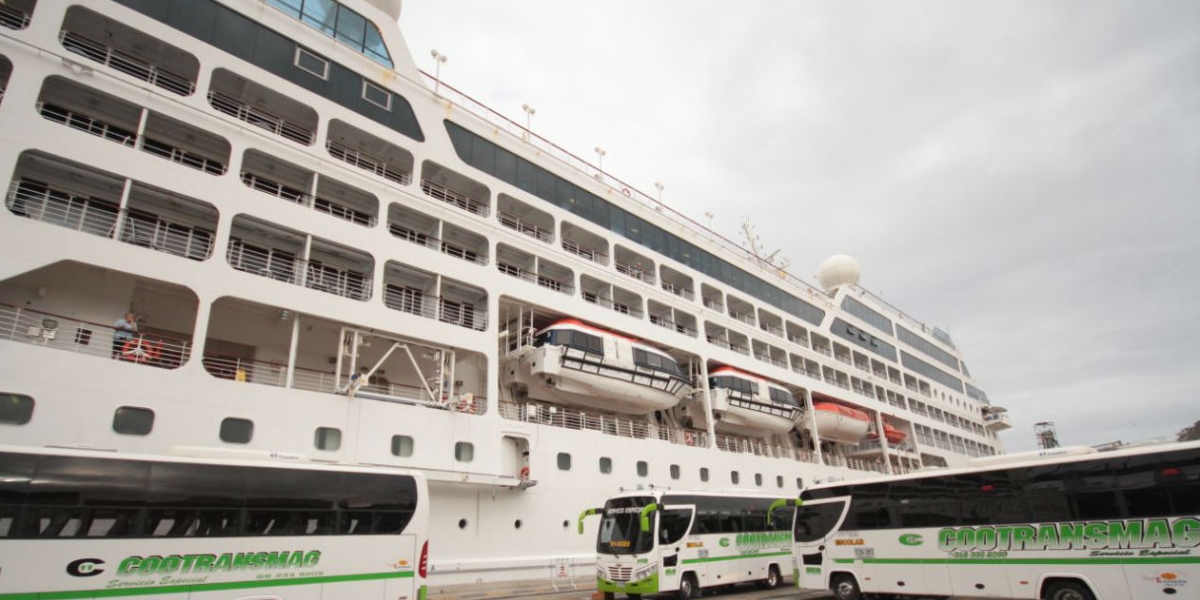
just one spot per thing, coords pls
(746, 404)
(840, 423)
(577, 364)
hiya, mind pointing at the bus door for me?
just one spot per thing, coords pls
(812, 531)
(674, 525)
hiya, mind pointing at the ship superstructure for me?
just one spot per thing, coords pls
(330, 258)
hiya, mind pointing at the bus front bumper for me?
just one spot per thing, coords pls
(643, 586)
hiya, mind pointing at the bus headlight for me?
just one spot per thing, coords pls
(644, 571)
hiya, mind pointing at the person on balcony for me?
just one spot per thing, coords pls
(123, 331)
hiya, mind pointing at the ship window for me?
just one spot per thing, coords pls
(327, 438)
(643, 468)
(377, 95)
(799, 483)
(464, 451)
(758, 479)
(703, 473)
(15, 409)
(674, 471)
(402, 445)
(132, 420)
(564, 461)
(236, 431)
(779, 481)
(605, 464)
(307, 61)
(735, 477)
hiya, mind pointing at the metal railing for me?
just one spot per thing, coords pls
(614, 306)
(580, 250)
(524, 227)
(183, 157)
(454, 198)
(634, 272)
(615, 425)
(58, 332)
(434, 307)
(310, 274)
(746, 318)
(139, 228)
(152, 74)
(672, 325)
(87, 124)
(13, 18)
(260, 118)
(541, 280)
(713, 304)
(680, 291)
(368, 162)
(758, 447)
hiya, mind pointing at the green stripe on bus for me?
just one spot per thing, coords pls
(720, 558)
(201, 587)
(1162, 560)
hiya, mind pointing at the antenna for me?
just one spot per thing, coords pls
(750, 241)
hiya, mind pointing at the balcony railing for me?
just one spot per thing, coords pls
(672, 325)
(368, 162)
(758, 447)
(99, 218)
(519, 225)
(746, 318)
(634, 272)
(624, 309)
(312, 274)
(433, 307)
(615, 425)
(260, 118)
(13, 18)
(541, 280)
(580, 250)
(454, 198)
(183, 157)
(87, 123)
(58, 332)
(680, 291)
(97, 51)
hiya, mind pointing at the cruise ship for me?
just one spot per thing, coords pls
(331, 256)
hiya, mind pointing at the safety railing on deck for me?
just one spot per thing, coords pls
(13, 18)
(572, 418)
(758, 447)
(520, 225)
(125, 63)
(260, 118)
(310, 274)
(583, 251)
(58, 332)
(369, 162)
(454, 198)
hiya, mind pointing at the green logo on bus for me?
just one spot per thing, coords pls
(724, 542)
(911, 539)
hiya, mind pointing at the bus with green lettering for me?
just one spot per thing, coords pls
(658, 541)
(1072, 524)
(91, 524)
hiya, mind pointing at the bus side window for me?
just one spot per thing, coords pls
(815, 521)
(1096, 505)
(673, 525)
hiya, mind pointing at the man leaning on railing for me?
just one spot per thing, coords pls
(123, 331)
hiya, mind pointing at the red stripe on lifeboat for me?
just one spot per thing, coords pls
(832, 407)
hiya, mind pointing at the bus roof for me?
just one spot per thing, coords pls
(1055, 459)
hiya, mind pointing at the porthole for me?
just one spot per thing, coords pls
(462, 523)
(15, 409)
(327, 438)
(517, 524)
(132, 420)
(566, 523)
(237, 431)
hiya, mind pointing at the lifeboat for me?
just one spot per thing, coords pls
(838, 423)
(580, 365)
(891, 434)
(745, 404)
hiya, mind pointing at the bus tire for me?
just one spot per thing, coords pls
(773, 579)
(845, 587)
(1067, 589)
(687, 587)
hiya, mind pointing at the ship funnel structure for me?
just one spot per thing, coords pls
(838, 270)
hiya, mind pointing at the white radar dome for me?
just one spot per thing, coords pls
(838, 270)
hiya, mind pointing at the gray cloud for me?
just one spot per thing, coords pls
(1025, 174)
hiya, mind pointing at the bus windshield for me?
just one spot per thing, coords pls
(620, 531)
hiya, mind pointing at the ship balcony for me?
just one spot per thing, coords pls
(431, 296)
(256, 105)
(58, 332)
(152, 218)
(606, 295)
(423, 230)
(525, 219)
(534, 269)
(873, 448)
(584, 244)
(674, 282)
(758, 447)
(271, 252)
(286, 181)
(128, 51)
(997, 420)
(94, 112)
(454, 189)
(608, 424)
(14, 14)
(369, 153)
(632, 264)
(742, 311)
(796, 334)
(670, 318)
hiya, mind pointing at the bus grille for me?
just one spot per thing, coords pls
(619, 573)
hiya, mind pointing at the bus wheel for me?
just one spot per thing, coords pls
(687, 587)
(773, 579)
(845, 587)
(1067, 590)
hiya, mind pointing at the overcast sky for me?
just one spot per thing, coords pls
(1025, 175)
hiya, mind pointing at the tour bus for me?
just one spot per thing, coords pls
(660, 540)
(1119, 525)
(85, 524)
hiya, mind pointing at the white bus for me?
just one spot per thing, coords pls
(85, 524)
(1121, 525)
(658, 541)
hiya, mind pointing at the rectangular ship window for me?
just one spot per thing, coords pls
(307, 61)
(377, 95)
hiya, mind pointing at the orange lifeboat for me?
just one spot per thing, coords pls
(893, 435)
(839, 423)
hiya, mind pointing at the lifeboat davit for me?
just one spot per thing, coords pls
(581, 365)
(745, 404)
(838, 423)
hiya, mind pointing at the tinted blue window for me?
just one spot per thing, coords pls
(350, 28)
(320, 15)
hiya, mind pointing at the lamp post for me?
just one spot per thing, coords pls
(600, 152)
(659, 186)
(438, 59)
(529, 112)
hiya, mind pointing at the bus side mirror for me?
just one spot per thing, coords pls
(780, 503)
(645, 516)
(587, 513)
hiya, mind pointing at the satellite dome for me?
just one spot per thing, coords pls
(838, 270)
